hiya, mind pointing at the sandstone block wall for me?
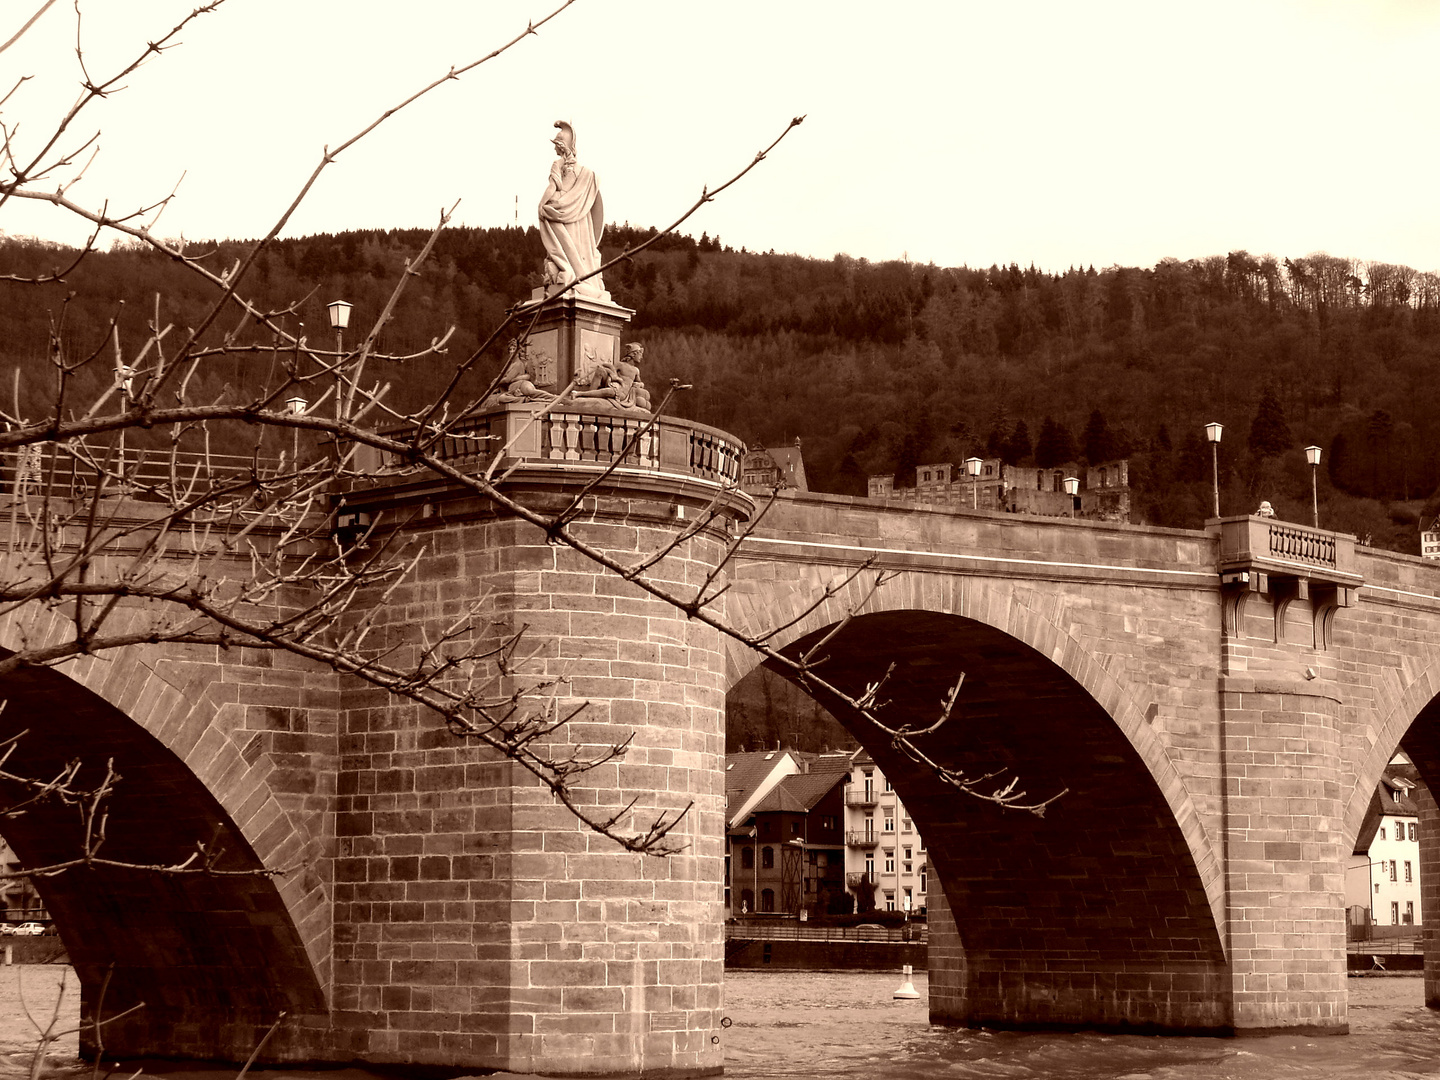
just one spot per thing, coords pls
(477, 921)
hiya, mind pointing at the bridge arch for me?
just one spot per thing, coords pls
(1411, 723)
(214, 957)
(1110, 912)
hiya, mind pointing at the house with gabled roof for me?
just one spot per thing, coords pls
(1382, 876)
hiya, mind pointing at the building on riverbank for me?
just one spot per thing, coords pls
(820, 834)
(1383, 873)
(885, 866)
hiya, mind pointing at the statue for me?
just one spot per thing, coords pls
(572, 219)
(1266, 510)
(517, 383)
(618, 385)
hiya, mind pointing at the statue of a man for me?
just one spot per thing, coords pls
(572, 218)
(619, 385)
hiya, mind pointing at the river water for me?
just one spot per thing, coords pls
(827, 1025)
(847, 1026)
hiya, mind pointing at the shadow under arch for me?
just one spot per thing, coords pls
(214, 958)
(1105, 913)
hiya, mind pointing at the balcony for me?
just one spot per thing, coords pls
(861, 797)
(860, 881)
(858, 838)
(1254, 548)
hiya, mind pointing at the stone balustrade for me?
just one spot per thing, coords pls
(580, 437)
(1285, 549)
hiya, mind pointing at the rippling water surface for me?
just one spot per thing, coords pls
(825, 1025)
(840, 1025)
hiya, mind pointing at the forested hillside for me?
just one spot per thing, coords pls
(880, 366)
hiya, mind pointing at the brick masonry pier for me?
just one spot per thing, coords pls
(1219, 705)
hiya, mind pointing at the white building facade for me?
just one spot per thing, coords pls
(1384, 875)
(884, 852)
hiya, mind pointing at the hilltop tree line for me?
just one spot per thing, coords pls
(878, 367)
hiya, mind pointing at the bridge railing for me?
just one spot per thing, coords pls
(77, 471)
(577, 435)
(1286, 548)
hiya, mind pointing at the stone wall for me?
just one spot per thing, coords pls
(481, 922)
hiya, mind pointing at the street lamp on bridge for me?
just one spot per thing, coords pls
(339, 311)
(1213, 431)
(972, 466)
(1072, 488)
(1312, 455)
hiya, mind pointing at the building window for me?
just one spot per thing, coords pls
(1104, 480)
(927, 475)
(1409, 912)
(890, 823)
(747, 901)
(869, 826)
(906, 825)
(794, 828)
(889, 862)
(1039, 480)
(767, 858)
(869, 785)
(1392, 869)
(922, 880)
(1382, 832)
(1412, 830)
(1408, 876)
(889, 901)
(989, 470)
(767, 899)
(1394, 912)
(870, 868)
(747, 858)
(888, 787)
(909, 900)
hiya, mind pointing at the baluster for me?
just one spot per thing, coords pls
(572, 437)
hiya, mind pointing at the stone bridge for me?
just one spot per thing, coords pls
(1217, 705)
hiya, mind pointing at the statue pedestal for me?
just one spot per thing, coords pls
(571, 336)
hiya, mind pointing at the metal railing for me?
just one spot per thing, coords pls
(857, 838)
(77, 471)
(798, 931)
(861, 797)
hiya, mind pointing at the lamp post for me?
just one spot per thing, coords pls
(296, 406)
(972, 467)
(339, 311)
(1312, 455)
(1213, 432)
(1072, 488)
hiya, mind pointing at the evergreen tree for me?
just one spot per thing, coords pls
(1055, 446)
(1017, 447)
(1096, 442)
(1269, 433)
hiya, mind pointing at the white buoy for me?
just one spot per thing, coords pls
(907, 991)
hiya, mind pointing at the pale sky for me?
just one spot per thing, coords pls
(953, 132)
